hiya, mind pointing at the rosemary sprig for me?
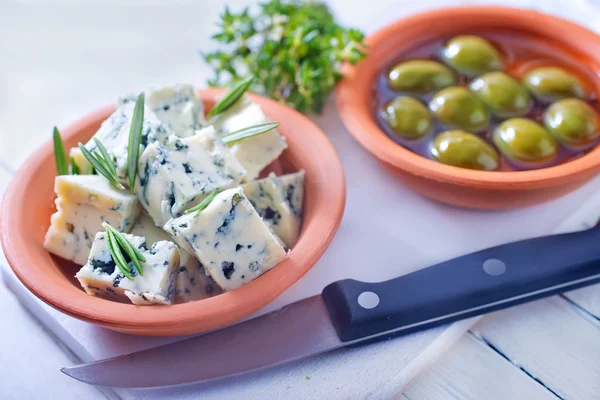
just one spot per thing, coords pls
(250, 131)
(103, 163)
(60, 156)
(204, 203)
(133, 253)
(135, 139)
(117, 243)
(74, 167)
(117, 256)
(231, 97)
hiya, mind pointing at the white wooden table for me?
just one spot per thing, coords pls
(60, 59)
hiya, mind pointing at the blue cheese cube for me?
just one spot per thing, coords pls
(257, 152)
(178, 175)
(101, 277)
(114, 135)
(177, 106)
(83, 202)
(192, 282)
(278, 200)
(230, 239)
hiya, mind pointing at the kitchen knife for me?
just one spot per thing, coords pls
(350, 312)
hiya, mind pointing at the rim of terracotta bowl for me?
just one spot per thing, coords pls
(29, 200)
(355, 92)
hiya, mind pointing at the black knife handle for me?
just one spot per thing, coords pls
(461, 288)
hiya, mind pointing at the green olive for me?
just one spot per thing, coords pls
(408, 117)
(552, 83)
(459, 108)
(572, 122)
(472, 55)
(504, 95)
(521, 139)
(465, 150)
(420, 76)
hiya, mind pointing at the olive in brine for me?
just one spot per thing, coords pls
(521, 139)
(457, 107)
(408, 118)
(465, 150)
(572, 122)
(420, 76)
(553, 83)
(504, 95)
(472, 55)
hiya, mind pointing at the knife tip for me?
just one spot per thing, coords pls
(66, 371)
(72, 373)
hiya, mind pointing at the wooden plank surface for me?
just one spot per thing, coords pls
(587, 298)
(472, 370)
(552, 341)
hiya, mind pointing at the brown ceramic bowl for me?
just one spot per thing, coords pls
(28, 204)
(452, 185)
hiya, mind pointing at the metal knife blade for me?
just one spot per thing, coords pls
(350, 312)
(298, 330)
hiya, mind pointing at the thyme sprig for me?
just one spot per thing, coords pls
(295, 49)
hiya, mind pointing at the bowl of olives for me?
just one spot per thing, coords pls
(479, 107)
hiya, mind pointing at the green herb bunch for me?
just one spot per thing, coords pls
(294, 48)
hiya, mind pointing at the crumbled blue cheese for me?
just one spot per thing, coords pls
(114, 135)
(178, 175)
(230, 239)
(101, 277)
(83, 202)
(177, 106)
(257, 152)
(192, 282)
(278, 200)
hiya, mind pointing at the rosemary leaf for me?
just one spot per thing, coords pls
(116, 254)
(204, 203)
(231, 97)
(98, 164)
(139, 256)
(74, 167)
(108, 159)
(129, 249)
(250, 131)
(104, 166)
(134, 254)
(135, 140)
(62, 164)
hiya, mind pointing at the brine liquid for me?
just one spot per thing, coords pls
(522, 53)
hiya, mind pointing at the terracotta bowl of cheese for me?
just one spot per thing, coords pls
(452, 185)
(29, 203)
